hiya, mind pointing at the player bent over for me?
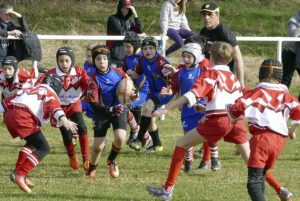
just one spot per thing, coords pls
(26, 111)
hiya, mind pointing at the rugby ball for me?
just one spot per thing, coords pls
(125, 88)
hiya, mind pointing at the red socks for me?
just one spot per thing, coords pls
(84, 146)
(272, 181)
(177, 161)
(206, 152)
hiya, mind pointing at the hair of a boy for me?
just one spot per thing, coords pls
(222, 52)
(5, 6)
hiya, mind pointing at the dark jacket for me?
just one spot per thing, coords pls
(4, 29)
(118, 24)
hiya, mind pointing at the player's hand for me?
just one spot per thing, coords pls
(116, 110)
(135, 95)
(132, 74)
(199, 107)
(166, 91)
(69, 125)
(159, 112)
(292, 132)
(168, 70)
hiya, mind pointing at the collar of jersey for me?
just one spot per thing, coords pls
(59, 72)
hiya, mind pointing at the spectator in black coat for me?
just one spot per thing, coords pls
(120, 23)
(8, 28)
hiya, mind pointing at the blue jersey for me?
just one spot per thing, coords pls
(129, 63)
(152, 69)
(107, 85)
(186, 79)
(89, 68)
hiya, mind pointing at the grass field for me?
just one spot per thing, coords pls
(55, 180)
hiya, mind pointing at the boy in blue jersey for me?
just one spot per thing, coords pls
(107, 110)
(153, 65)
(182, 82)
(132, 44)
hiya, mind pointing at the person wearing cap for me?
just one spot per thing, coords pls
(291, 51)
(107, 111)
(214, 31)
(8, 28)
(75, 81)
(156, 68)
(268, 107)
(12, 79)
(120, 23)
(174, 24)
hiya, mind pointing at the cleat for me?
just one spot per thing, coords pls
(199, 153)
(187, 166)
(215, 164)
(90, 172)
(285, 194)
(153, 149)
(160, 193)
(132, 136)
(86, 165)
(20, 181)
(113, 169)
(135, 144)
(204, 165)
(73, 162)
(28, 181)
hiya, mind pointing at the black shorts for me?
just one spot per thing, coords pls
(103, 121)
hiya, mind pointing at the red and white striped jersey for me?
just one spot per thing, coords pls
(267, 106)
(23, 79)
(74, 84)
(41, 101)
(218, 87)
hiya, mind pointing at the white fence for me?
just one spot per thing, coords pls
(278, 40)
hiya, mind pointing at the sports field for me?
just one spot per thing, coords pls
(55, 180)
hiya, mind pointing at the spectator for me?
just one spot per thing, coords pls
(8, 28)
(291, 51)
(214, 31)
(174, 24)
(119, 24)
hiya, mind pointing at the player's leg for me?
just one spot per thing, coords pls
(101, 125)
(119, 127)
(35, 149)
(144, 125)
(153, 132)
(189, 140)
(134, 127)
(83, 137)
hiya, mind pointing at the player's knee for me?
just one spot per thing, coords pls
(82, 129)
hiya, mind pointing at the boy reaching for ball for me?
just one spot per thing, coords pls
(108, 111)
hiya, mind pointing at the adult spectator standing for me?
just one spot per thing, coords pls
(120, 23)
(8, 28)
(174, 23)
(215, 31)
(291, 51)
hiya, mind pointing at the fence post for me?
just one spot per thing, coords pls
(279, 49)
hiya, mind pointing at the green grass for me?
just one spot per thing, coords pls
(55, 180)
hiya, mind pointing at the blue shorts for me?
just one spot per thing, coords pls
(191, 122)
(87, 109)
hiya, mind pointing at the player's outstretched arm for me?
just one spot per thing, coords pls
(292, 132)
(174, 104)
(69, 125)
